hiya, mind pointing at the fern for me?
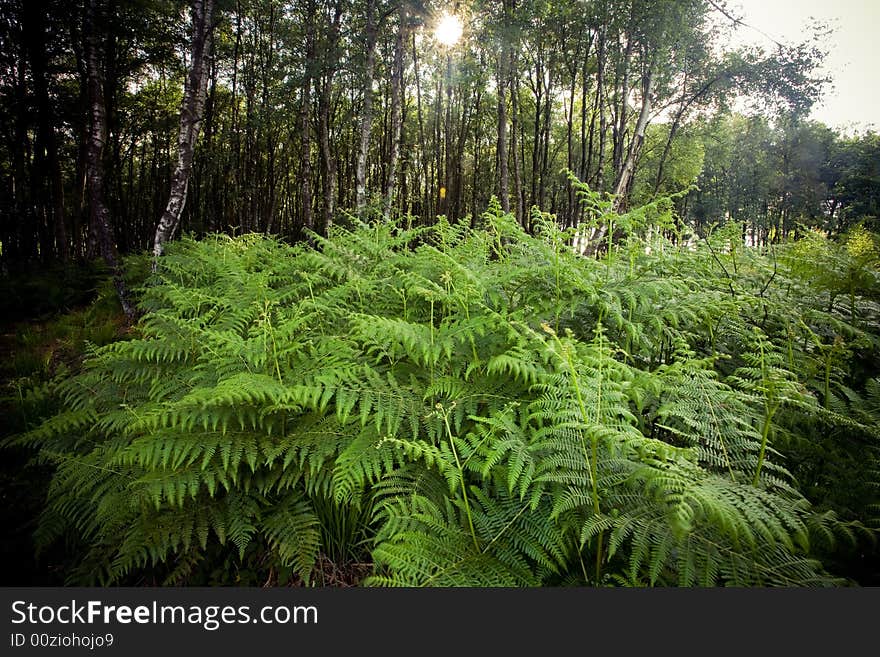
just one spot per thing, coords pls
(469, 407)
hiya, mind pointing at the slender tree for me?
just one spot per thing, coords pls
(366, 117)
(191, 111)
(624, 178)
(396, 106)
(100, 224)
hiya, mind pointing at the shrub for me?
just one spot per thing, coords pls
(465, 406)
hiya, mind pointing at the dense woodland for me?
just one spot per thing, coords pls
(307, 293)
(312, 109)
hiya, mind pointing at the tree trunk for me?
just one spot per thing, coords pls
(600, 103)
(445, 182)
(396, 109)
(635, 147)
(516, 147)
(569, 142)
(190, 118)
(307, 221)
(503, 162)
(23, 245)
(622, 110)
(676, 124)
(360, 174)
(99, 215)
(46, 146)
(424, 185)
(621, 188)
(503, 166)
(545, 131)
(586, 142)
(536, 127)
(328, 165)
(213, 193)
(232, 193)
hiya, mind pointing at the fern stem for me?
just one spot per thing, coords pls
(609, 257)
(712, 337)
(506, 527)
(467, 316)
(583, 408)
(716, 423)
(768, 412)
(432, 342)
(271, 331)
(467, 506)
(765, 432)
(315, 305)
(594, 448)
(21, 405)
(827, 379)
(583, 567)
(556, 267)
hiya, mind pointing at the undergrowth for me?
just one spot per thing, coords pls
(477, 406)
(69, 312)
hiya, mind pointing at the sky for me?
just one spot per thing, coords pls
(853, 61)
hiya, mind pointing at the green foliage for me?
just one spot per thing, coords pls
(779, 177)
(470, 407)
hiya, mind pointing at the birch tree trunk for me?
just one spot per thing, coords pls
(635, 146)
(621, 187)
(190, 118)
(516, 147)
(504, 62)
(99, 215)
(424, 184)
(396, 110)
(503, 166)
(360, 174)
(446, 179)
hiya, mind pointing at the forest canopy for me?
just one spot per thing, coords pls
(318, 107)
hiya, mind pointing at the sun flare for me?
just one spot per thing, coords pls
(448, 30)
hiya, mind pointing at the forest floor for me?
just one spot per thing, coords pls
(47, 322)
